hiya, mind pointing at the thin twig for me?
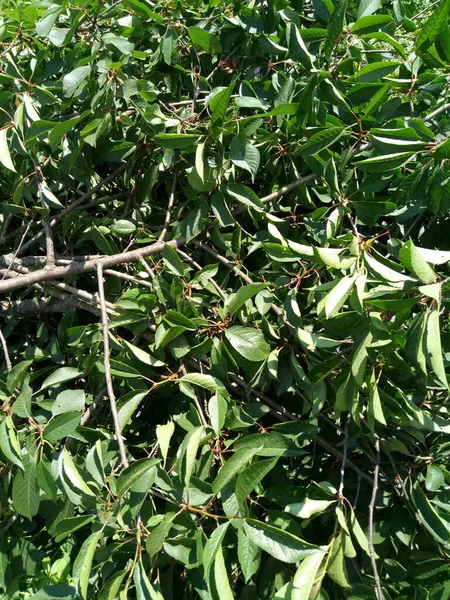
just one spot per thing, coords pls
(283, 414)
(18, 247)
(344, 458)
(288, 188)
(108, 378)
(93, 407)
(83, 267)
(232, 267)
(195, 264)
(75, 205)
(5, 351)
(169, 209)
(376, 575)
(9, 523)
(436, 112)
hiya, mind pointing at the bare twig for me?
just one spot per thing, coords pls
(83, 267)
(18, 247)
(5, 228)
(436, 112)
(75, 205)
(147, 268)
(5, 351)
(195, 264)
(108, 377)
(9, 523)
(93, 407)
(376, 575)
(169, 209)
(29, 307)
(282, 414)
(288, 188)
(243, 276)
(344, 458)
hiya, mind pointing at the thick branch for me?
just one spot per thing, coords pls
(82, 267)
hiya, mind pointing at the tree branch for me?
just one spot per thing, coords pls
(169, 209)
(376, 575)
(75, 205)
(108, 378)
(5, 351)
(83, 267)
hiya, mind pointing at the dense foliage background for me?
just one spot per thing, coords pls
(225, 240)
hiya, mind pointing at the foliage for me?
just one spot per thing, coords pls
(264, 189)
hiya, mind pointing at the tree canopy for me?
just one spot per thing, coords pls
(225, 239)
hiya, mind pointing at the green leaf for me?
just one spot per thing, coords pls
(164, 434)
(123, 228)
(61, 426)
(5, 156)
(16, 376)
(83, 563)
(156, 539)
(411, 258)
(336, 299)
(74, 82)
(334, 28)
(297, 48)
(212, 546)
(429, 517)
(251, 476)
(434, 478)
(217, 408)
(268, 444)
(336, 568)
(131, 402)
(248, 342)
(67, 401)
(132, 473)
(176, 140)
(280, 544)
(61, 376)
(242, 194)
(9, 443)
(433, 26)
(375, 71)
(434, 347)
(208, 382)
(193, 440)
(239, 298)
(25, 491)
(321, 140)
(244, 154)
(59, 591)
(172, 261)
(67, 526)
(249, 554)
(208, 42)
(232, 467)
(221, 583)
(219, 105)
(370, 24)
(72, 474)
(388, 162)
(111, 588)
(176, 319)
(308, 508)
(368, 7)
(62, 129)
(306, 576)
